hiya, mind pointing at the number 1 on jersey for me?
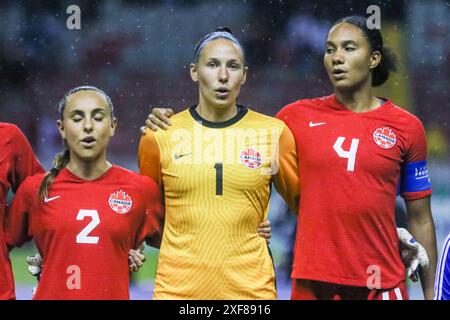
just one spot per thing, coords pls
(219, 178)
(350, 155)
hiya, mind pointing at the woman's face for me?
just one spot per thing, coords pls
(348, 58)
(87, 125)
(220, 72)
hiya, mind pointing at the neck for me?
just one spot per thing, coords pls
(215, 114)
(359, 100)
(88, 170)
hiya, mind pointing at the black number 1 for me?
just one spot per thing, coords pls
(219, 178)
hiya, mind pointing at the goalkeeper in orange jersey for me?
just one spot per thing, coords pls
(216, 166)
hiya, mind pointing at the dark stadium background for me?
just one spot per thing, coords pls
(139, 52)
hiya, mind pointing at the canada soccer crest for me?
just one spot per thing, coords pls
(120, 202)
(385, 137)
(251, 158)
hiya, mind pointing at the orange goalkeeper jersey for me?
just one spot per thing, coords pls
(217, 183)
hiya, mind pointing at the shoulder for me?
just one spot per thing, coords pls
(181, 116)
(11, 135)
(147, 188)
(31, 184)
(10, 131)
(124, 172)
(146, 182)
(181, 120)
(405, 114)
(408, 121)
(149, 136)
(134, 178)
(263, 119)
(9, 127)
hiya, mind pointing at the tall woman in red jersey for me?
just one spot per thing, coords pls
(85, 214)
(355, 151)
(17, 161)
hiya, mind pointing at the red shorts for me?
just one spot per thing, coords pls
(315, 290)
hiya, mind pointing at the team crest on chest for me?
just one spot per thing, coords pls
(120, 202)
(251, 158)
(385, 137)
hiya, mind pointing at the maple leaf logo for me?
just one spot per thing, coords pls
(120, 202)
(385, 137)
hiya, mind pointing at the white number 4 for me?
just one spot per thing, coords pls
(83, 236)
(350, 155)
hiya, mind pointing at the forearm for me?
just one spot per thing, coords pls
(422, 228)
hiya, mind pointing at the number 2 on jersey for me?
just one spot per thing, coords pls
(350, 155)
(83, 236)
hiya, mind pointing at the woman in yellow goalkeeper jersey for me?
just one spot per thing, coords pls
(216, 165)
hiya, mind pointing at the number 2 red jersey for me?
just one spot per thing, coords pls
(17, 161)
(350, 168)
(84, 230)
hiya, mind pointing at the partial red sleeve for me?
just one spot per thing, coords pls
(25, 162)
(152, 225)
(286, 114)
(16, 224)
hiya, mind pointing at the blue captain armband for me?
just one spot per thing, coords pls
(414, 177)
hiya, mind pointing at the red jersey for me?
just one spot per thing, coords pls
(17, 161)
(350, 167)
(84, 230)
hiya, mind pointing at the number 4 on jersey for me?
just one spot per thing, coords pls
(350, 155)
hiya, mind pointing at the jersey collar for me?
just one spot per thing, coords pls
(337, 105)
(241, 112)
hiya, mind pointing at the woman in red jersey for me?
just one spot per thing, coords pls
(355, 151)
(17, 161)
(85, 214)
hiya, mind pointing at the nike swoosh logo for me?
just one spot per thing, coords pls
(51, 199)
(312, 124)
(178, 156)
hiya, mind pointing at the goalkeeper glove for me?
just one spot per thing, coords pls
(413, 254)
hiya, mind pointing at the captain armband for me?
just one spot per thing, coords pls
(415, 177)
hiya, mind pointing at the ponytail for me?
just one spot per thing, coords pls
(387, 65)
(60, 162)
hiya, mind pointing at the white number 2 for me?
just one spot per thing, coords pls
(83, 236)
(350, 155)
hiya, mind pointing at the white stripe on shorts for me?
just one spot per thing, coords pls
(398, 294)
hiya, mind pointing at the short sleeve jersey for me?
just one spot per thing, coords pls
(84, 230)
(351, 166)
(17, 161)
(217, 183)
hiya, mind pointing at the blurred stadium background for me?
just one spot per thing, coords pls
(139, 52)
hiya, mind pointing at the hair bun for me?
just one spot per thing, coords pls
(224, 29)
